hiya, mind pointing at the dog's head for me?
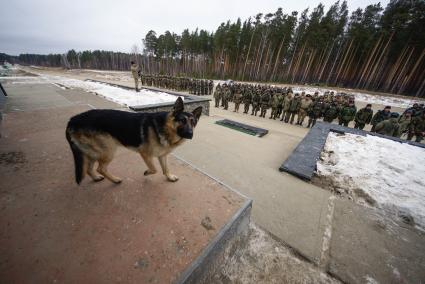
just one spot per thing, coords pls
(184, 122)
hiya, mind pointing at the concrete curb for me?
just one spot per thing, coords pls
(2, 90)
(232, 234)
(302, 161)
(204, 267)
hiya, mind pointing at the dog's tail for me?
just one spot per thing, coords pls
(78, 157)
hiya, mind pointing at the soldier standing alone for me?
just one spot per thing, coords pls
(135, 71)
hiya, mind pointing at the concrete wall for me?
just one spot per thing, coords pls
(230, 238)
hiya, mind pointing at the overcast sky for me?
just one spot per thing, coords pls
(55, 26)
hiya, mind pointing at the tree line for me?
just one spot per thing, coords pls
(97, 59)
(375, 48)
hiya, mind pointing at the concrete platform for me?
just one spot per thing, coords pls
(367, 245)
(143, 230)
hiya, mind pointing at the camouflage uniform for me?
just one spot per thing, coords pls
(210, 87)
(363, 117)
(265, 100)
(347, 114)
(304, 106)
(255, 102)
(217, 95)
(417, 128)
(404, 122)
(331, 112)
(389, 127)
(275, 105)
(135, 73)
(286, 104)
(294, 107)
(381, 115)
(246, 98)
(226, 97)
(237, 98)
(280, 105)
(315, 111)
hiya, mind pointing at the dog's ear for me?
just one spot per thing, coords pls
(178, 106)
(197, 112)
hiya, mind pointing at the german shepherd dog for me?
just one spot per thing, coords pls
(95, 135)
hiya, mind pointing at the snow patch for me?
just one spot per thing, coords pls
(377, 171)
(118, 95)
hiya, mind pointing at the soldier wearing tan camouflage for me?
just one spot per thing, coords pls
(135, 71)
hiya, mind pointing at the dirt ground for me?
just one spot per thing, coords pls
(266, 260)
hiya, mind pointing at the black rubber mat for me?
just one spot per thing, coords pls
(245, 128)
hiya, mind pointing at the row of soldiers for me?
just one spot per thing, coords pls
(286, 105)
(200, 87)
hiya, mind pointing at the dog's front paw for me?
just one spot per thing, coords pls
(172, 178)
(149, 172)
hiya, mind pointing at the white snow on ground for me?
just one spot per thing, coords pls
(119, 95)
(115, 94)
(107, 74)
(391, 173)
(363, 97)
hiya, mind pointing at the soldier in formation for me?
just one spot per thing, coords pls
(199, 87)
(305, 104)
(347, 113)
(285, 104)
(363, 117)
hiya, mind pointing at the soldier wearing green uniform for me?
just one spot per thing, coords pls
(381, 115)
(286, 104)
(363, 117)
(246, 99)
(265, 100)
(275, 105)
(405, 121)
(315, 111)
(417, 128)
(347, 114)
(304, 106)
(217, 95)
(294, 107)
(281, 99)
(389, 127)
(255, 102)
(331, 112)
(226, 96)
(237, 98)
(210, 87)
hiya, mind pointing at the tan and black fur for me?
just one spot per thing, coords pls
(95, 135)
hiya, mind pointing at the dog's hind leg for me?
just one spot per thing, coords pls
(91, 172)
(164, 165)
(151, 167)
(103, 170)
